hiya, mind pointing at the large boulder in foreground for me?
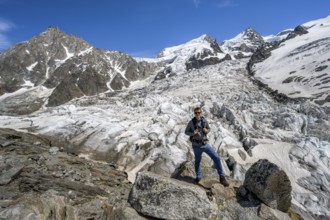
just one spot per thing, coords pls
(161, 197)
(270, 184)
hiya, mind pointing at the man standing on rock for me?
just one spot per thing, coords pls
(197, 130)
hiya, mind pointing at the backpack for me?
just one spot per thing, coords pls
(195, 125)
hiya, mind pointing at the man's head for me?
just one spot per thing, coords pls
(198, 113)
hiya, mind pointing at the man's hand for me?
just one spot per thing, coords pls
(205, 130)
(196, 131)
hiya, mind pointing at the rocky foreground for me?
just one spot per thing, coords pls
(40, 180)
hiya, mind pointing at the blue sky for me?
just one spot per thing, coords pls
(144, 27)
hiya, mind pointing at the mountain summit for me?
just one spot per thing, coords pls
(31, 63)
(55, 68)
(244, 44)
(193, 54)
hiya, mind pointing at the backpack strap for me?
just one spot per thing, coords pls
(202, 122)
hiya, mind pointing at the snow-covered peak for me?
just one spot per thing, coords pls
(243, 44)
(201, 48)
(247, 35)
(187, 49)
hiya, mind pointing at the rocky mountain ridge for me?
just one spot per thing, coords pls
(66, 66)
(62, 67)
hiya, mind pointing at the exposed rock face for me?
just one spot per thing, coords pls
(253, 36)
(299, 30)
(270, 184)
(165, 198)
(261, 53)
(166, 72)
(199, 61)
(76, 85)
(29, 168)
(34, 60)
(8, 175)
(67, 64)
(47, 206)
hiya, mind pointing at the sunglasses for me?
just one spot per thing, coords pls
(198, 113)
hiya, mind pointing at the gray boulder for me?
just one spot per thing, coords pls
(160, 197)
(270, 184)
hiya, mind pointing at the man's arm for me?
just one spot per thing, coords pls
(190, 129)
(206, 128)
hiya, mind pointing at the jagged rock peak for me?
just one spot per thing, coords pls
(244, 44)
(213, 43)
(52, 30)
(204, 37)
(55, 34)
(35, 60)
(252, 35)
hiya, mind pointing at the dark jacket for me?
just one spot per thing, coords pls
(201, 136)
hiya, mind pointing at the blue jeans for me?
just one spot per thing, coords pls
(198, 151)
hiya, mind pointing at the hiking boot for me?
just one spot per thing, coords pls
(197, 180)
(223, 181)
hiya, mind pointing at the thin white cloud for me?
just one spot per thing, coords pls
(227, 3)
(196, 3)
(5, 26)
